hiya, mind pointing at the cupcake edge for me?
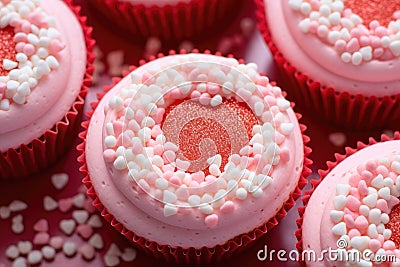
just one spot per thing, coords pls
(48, 148)
(323, 173)
(179, 254)
(341, 108)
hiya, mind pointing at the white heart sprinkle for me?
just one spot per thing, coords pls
(96, 241)
(25, 247)
(59, 180)
(67, 226)
(339, 202)
(343, 189)
(20, 262)
(114, 250)
(4, 212)
(378, 181)
(79, 200)
(17, 205)
(384, 193)
(17, 219)
(48, 252)
(170, 210)
(49, 203)
(336, 215)
(339, 229)
(95, 221)
(111, 260)
(35, 257)
(80, 216)
(129, 254)
(17, 228)
(12, 252)
(370, 200)
(360, 242)
(69, 248)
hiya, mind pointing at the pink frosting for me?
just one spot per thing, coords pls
(317, 225)
(54, 95)
(322, 63)
(116, 194)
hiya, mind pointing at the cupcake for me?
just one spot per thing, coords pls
(168, 20)
(353, 212)
(46, 63)
(339, 59)
(199, 149)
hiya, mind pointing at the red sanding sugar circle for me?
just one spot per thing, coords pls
(202, 138)
(7, 48)
(369, 10)
(394, 225)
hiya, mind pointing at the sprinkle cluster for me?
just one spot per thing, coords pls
(45, 247)
(338, 26)
(134, 140)
(37, 46)
(362, 208)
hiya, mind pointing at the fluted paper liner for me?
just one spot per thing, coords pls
(45, 150)
(190, 255)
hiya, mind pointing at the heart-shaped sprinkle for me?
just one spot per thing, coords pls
(59, 180)
(84, 230)
(64, 205)
(87, 251)
(80, 216)
(96, 241)
(19, 262)
(4, 212)
(69, 248)
(67, 226)
(114, 250)
(49, 203)
(35, 257)
(25, 247)
(111, 260)
(41, 238)
(17, 205)
(95, 221)
(12, 252)
(129, 254)
(79, 200)
(48, 252)
(17, 228)
(41, 226)
(56, 242)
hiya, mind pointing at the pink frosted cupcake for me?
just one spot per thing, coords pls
(339, 59)
(168, 19)
(353, 210)
(187, 146)
(46, 63)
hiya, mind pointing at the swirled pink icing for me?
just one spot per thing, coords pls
(349, 56)
(54, 93)
(353, 204)
(177, 223)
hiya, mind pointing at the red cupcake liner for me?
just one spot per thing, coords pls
(190, 255)
(171, 22)
(47, 149)
(323, 173)
(341, 108)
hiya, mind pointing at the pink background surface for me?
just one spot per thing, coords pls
(32, 189)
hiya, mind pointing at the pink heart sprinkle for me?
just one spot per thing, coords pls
(211, 220)
(228, 207)
(84, 230)
(41, 238)
(65, 204)
(41, 226)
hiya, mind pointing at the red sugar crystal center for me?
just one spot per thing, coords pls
(228, 129)
(369, 10)
(394, 225)
(7, 47)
